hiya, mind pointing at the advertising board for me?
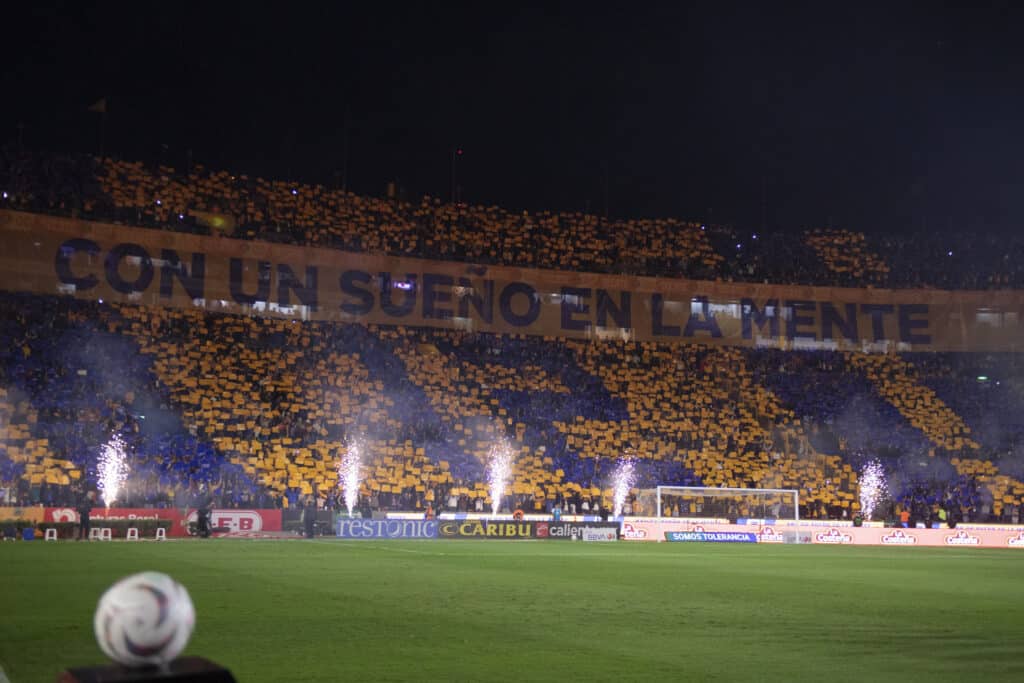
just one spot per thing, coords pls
(32, 514)
(241, 521)
(386, 528)
(237, 521)
(910, 538)
(600, 534)
(711, 536)
(678, 530)
(568, 531)
(479, 528)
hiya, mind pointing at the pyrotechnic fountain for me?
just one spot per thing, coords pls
(872, 487)
(623, 479)
(348, 472)
(499, 469)
(112, 470)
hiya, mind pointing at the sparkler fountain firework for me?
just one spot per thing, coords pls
(499, 469)
(872, 487)
(348, 473)
(622, 481)
(112, 470)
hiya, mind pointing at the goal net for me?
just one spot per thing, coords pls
(764, 507)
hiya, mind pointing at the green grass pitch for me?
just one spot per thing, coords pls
(329, 610)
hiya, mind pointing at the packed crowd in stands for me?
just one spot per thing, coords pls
(252, 411)
(209, 201)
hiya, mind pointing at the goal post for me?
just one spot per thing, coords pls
(727, 505)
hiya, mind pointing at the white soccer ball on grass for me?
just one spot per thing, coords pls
(144, 619)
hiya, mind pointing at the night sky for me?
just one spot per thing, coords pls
(871, 117)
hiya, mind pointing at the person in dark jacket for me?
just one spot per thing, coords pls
(203, 526)
(309, 517)
(84, 508)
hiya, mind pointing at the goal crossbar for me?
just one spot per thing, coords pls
(724, 491)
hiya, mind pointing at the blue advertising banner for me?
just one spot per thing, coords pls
(711, 536)
(387, 528)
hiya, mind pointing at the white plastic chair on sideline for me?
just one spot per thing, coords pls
(94, 533)
(106, 534)
(51, 534)
(161, 534)
(132, 534)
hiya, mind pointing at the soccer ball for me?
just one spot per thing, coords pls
(144, 619)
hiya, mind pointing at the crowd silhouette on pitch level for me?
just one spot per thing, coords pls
(257, 411)
(202, 200)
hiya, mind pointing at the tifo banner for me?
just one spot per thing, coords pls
(566, 531)
(31, 514)
(92, 260)
(235, 520)
(486, 529)
(387, 528)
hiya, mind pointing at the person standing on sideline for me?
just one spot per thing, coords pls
(309, 517)
(84, 508)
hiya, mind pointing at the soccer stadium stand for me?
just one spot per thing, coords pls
(205, 201)
(847, 256)
(250, 406)
(257, 410)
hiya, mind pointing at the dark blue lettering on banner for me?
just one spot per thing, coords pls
(526, 292)
(307, 293)
(908, 324)
(483, 303)
(387, 528)
(437, 291)
(350, 282)
(191, 278)
(236, 269)
(143, 262)
(62, 263)
(705, 322)
(754, 316)
(711, 536)
(574, 301)
(471, 301)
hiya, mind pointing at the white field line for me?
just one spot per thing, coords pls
(384, 546)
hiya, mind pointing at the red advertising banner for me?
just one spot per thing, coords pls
(1005, 537)
(241, 521)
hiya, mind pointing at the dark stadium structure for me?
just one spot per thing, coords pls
(251, 409)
